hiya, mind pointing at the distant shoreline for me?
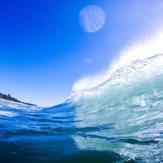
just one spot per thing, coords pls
(10, 98)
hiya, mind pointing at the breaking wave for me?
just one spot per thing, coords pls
(124, 109)
(112, 117)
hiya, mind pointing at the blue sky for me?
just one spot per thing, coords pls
(44, 50)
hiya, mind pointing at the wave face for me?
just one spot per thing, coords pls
(123, 110)
(115, 119)
(124, 114)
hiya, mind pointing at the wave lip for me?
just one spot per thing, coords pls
(148, 50)
(130, 73)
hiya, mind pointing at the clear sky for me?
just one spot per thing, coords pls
(44, 50)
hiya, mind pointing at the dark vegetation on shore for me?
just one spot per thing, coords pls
(9, 98)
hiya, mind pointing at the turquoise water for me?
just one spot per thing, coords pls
(118, 120)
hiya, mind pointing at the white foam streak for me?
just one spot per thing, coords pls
(7, 114)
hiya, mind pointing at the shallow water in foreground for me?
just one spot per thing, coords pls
(30, 134)
(120, 120)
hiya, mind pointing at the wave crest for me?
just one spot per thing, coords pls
(138, 61)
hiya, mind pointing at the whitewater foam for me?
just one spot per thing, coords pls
(7, 114)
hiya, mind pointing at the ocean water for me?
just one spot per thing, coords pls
(118, 119)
